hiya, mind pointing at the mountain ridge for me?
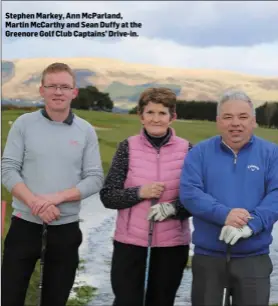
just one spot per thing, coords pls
(125, 81)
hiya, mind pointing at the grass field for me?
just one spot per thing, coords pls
(111, 129)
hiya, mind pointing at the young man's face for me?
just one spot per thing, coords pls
(156, 119)
(58, 99)
(236, 123)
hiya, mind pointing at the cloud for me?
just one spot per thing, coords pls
(261, 59)
(198, 23)
(204, 24)
(238, 36)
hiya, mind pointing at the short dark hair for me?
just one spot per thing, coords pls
(57, 67)
(160, 95)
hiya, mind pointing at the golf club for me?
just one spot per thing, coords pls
(44, 238)
(150, 236)
(226, 291)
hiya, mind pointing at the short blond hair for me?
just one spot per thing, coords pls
(58, 67)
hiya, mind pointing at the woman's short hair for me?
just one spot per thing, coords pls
(160, 95)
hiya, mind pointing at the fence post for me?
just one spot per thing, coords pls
(3, 214)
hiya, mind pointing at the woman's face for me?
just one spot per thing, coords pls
(156, 119)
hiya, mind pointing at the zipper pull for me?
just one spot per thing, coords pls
(235, 159)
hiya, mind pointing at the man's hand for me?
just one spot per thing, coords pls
(50, 199)
(39, 205)
(50, 214)
(161, 211)
(237, 217)
(153, 190)
(232, 234)
(56, 198)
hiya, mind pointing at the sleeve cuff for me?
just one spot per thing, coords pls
(11, 183)
(255, 224)
(88, 187)
(137, 190)
(221, 214)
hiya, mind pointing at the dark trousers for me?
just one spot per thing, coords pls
(22, 249)
(249, 280)
(128, 274)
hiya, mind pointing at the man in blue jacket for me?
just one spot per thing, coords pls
(230, 185)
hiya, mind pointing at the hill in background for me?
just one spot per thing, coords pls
(125, 81)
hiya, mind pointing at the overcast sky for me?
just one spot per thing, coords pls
(229, 35)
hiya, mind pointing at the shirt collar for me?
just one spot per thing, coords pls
(68, 120)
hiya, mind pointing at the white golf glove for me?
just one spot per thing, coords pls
(232, 234)
(161, 211)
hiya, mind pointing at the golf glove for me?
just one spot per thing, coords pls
(161, 211)
(232, 234)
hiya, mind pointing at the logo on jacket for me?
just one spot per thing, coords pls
(253, 167)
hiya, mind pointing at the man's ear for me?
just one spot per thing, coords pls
(75, 93)
(41, 90)
(255, 124)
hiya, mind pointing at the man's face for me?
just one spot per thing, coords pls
(236, 123)
(58, 99)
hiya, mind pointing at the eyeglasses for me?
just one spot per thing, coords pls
(63, 88)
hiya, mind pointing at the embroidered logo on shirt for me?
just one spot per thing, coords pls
(74, 142)
(253, 168)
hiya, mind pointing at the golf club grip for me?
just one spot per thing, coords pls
(151, 227)
(229, 250)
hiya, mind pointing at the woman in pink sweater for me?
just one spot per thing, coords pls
(143, 185)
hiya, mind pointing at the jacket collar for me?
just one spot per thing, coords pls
(226, 147)
(168, 140)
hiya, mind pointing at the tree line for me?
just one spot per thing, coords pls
(89, 98)
(266, 114)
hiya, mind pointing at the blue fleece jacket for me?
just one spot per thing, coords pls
(214, 180)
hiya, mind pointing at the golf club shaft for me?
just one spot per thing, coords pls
(44, 238)
(148, 260)
(226, 292)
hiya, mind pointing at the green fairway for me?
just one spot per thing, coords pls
(111, 129)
